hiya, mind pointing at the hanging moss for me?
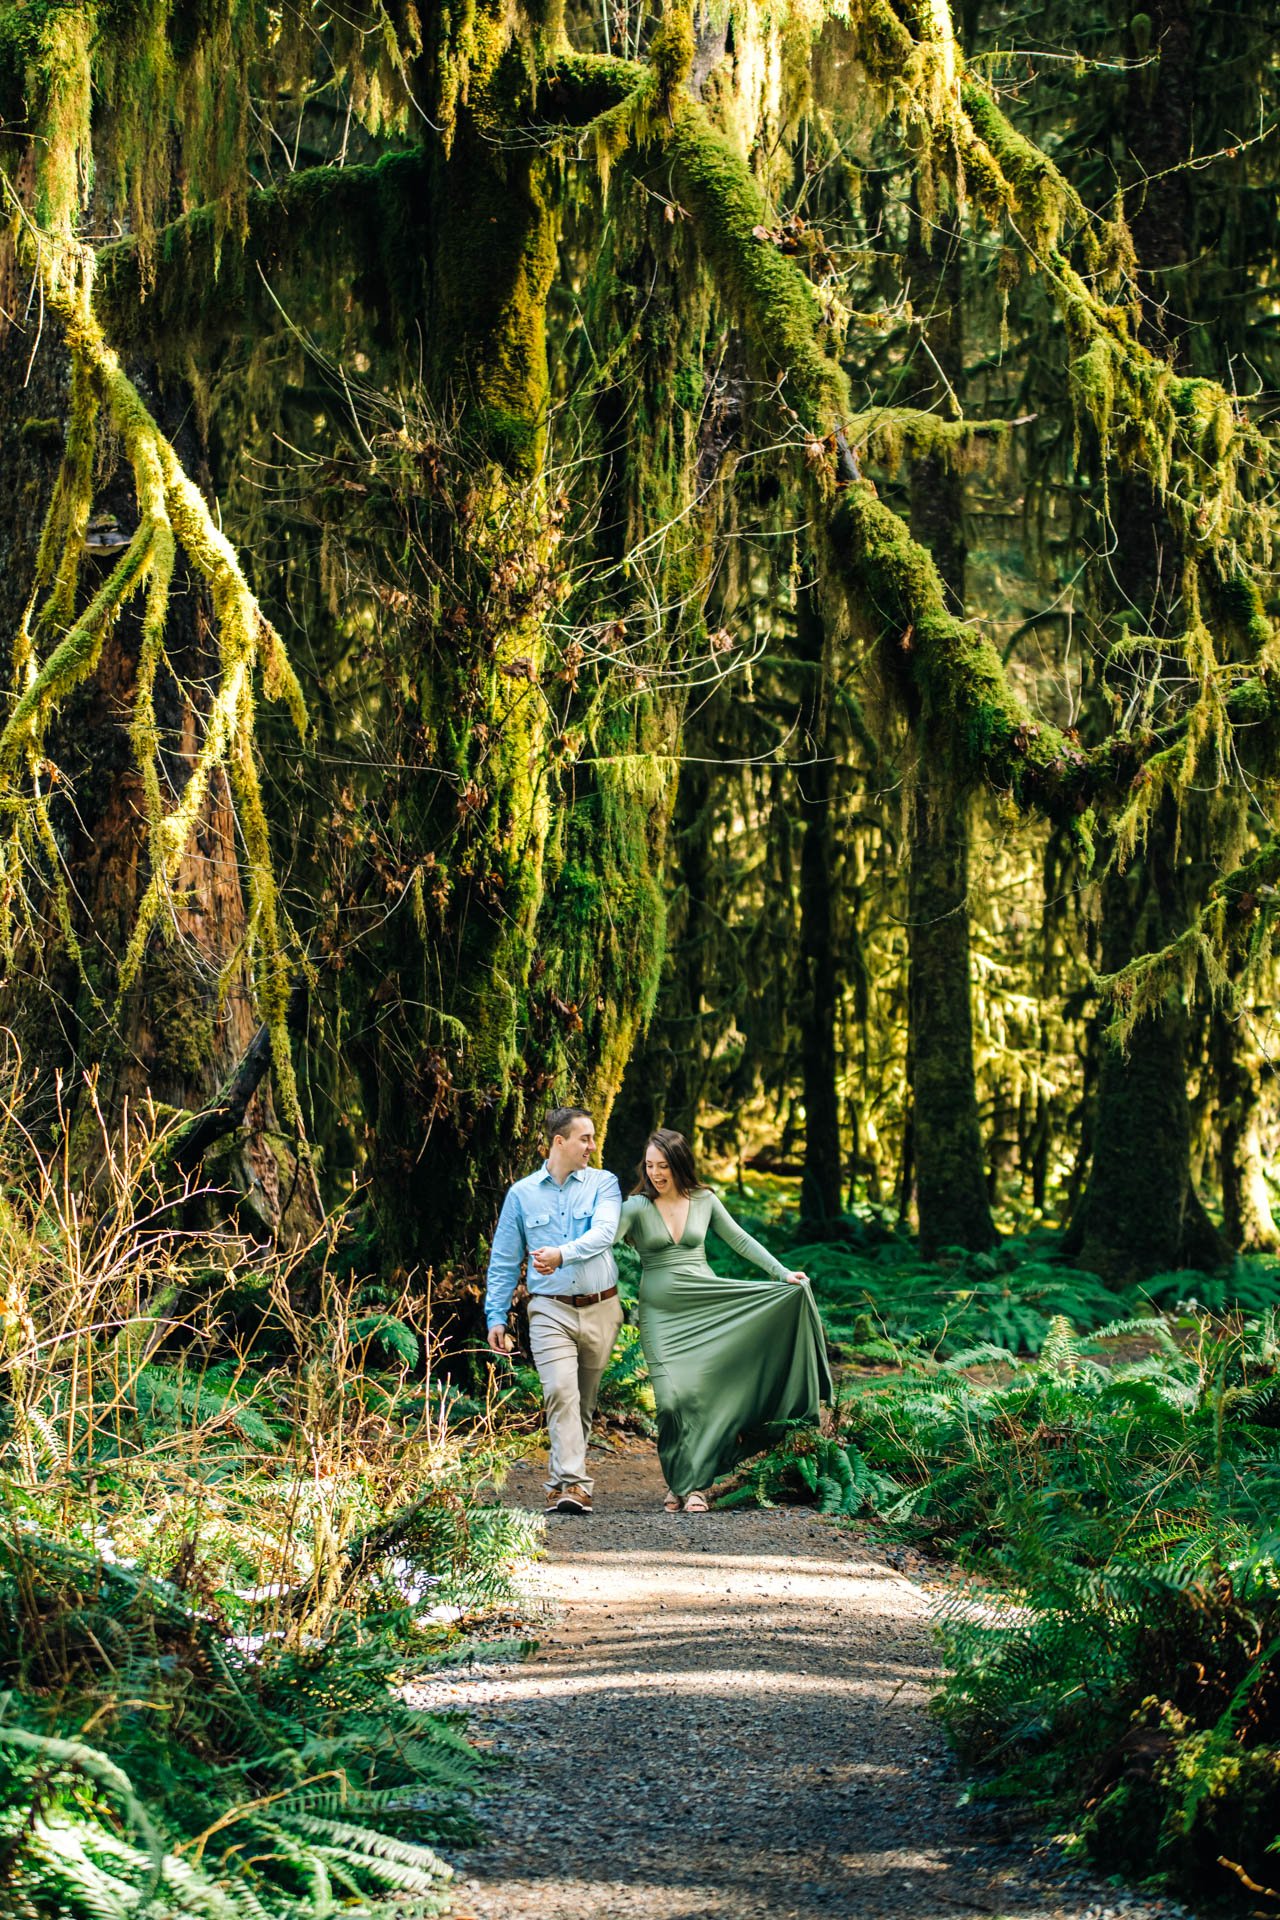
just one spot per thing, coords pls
(895, 588)
(1009, 172)
(362, 219)
(1186, 435)
(711, 182)
(890, 435)
(786, 320)
(171, 511)
(1227, 943)
(46, 78)
(75, 657)
(154, 102)
(887, 47)
(470, 679)
(671, 54)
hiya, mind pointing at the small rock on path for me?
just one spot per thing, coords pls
(726, 1719)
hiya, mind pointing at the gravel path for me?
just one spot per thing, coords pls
(727, 1716)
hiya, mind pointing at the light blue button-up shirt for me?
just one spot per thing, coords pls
(580, 1217)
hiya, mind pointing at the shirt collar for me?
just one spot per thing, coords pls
(577, 1173)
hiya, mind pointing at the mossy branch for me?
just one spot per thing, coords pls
(889, 577)
(160, 100)
(1186, 435)
(173, 517)
(894, 587)
(76, 656)
(633, 109)
(160, 293)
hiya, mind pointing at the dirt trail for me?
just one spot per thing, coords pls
(727, 1716)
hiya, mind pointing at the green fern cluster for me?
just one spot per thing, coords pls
(153, 1763)
(833, 1472)
(1120, 1493)
(625, 1392)
(233, 1519)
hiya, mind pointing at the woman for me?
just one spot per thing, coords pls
(730, 1360)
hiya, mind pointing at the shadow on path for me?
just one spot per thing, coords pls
(728, 1716)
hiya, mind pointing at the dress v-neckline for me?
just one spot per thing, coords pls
(675, 1238)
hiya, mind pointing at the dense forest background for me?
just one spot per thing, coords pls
(715, 562)
(768, 568)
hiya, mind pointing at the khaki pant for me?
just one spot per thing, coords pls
(571, 1348)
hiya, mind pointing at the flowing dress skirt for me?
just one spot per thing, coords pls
(732, 1361)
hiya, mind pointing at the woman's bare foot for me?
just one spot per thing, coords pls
(696, 1504)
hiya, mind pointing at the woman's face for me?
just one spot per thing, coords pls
(657, 1171)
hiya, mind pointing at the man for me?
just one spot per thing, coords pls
(563, 1219)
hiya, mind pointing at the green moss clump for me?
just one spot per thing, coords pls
(154, 103)
(182, 1021)
(1022, 174)
(1240, 599)
(42, 433)
(781, 315)
(884, 44)
(671, 53)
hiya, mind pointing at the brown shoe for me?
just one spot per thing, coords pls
(572, 1500)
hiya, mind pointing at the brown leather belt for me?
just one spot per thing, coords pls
(584, 1299)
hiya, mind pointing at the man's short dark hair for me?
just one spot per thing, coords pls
(560, 1119)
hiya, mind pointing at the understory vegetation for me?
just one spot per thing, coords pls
(234, 1523)
(1107, 1467)
(715, 560)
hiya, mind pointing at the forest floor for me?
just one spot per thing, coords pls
(727, 1716)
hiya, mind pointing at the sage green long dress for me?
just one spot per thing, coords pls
(730, 1360)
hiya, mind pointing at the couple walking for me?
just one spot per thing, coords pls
(730, 1360)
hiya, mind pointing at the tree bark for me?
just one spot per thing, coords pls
(951, 1189)
(1139, 1213)
(180, 1030)
(1247, 1222)
(820, 1195)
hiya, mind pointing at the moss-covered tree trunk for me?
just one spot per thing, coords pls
(176, 1034)
(665, 1079)
(951, 1187)
(1139, 1213)
(450, 1067)
(545, 937)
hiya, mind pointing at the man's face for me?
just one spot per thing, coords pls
(578, 1145)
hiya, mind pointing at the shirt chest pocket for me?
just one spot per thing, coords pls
(581, 1225)
(538, 1222)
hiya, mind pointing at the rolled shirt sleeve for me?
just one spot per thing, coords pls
(506, 1257)
(602, 1232)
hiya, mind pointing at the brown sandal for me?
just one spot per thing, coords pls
(696, 1503)
(672, 1503)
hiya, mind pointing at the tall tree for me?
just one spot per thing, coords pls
(950, 1169)
(462, 865)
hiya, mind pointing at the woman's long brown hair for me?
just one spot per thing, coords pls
(678, 1154)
